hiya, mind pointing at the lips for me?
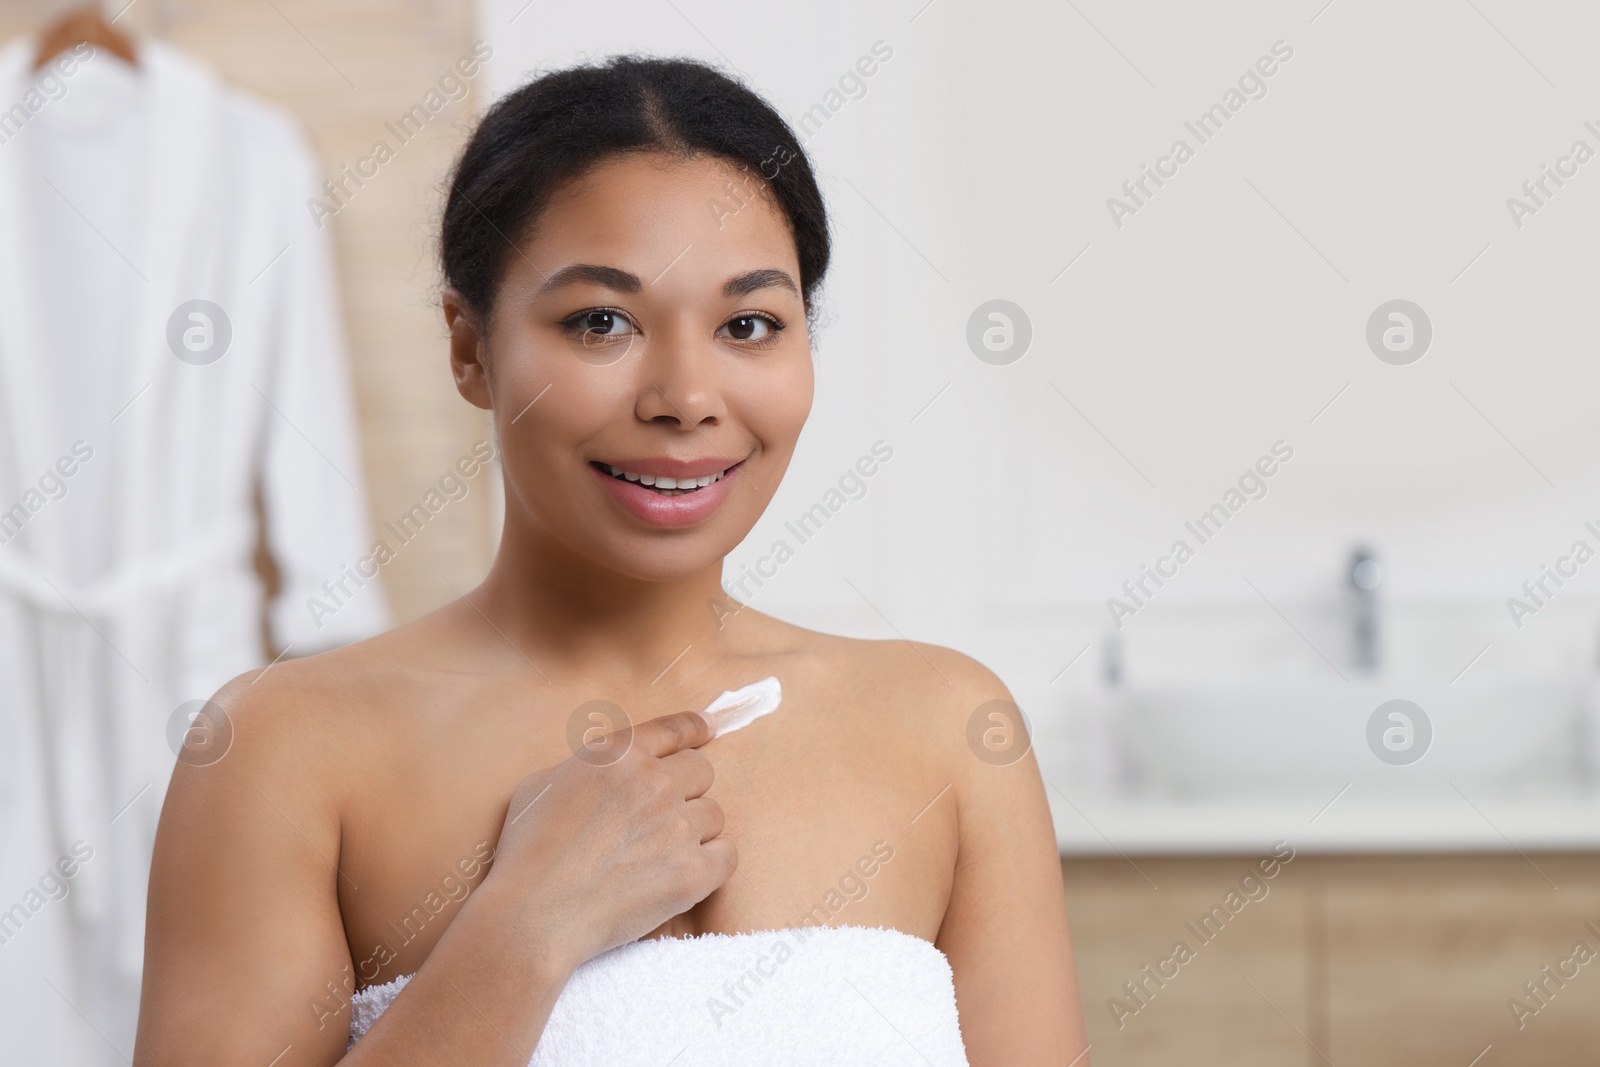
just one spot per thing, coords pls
(657, 491)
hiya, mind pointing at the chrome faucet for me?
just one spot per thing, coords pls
(1363, 580)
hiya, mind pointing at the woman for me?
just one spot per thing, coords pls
(427, 827)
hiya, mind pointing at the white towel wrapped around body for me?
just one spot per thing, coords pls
(815, 996)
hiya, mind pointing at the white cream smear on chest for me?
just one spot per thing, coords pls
(738, 708)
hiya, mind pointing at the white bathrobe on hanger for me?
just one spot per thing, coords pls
(126, 586)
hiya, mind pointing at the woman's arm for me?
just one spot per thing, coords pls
(245, 954)
(246, 960)
(1005, 927)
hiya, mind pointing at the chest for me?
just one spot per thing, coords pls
(833, 826)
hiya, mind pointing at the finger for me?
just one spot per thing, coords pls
(706, 815)
(722, 857)
(671, 733)
(692, 773)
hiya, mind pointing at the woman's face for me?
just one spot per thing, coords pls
(652, 325)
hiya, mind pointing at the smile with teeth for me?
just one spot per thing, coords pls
(664, 485)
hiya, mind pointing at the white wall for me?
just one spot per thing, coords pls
(1221, 317)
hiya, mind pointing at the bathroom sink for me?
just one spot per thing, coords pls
(1506, 734)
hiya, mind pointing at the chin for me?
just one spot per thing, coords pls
(689, 556)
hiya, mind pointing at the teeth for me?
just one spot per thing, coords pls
(663, 482)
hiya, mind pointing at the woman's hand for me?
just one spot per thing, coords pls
(609, 844)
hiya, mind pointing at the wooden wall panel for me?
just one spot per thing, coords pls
(1242, 1000)
(1383, 961)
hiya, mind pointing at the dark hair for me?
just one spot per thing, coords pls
(561, 124)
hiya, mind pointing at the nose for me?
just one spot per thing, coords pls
(678, 381)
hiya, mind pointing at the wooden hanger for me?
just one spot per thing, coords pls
(86, 24)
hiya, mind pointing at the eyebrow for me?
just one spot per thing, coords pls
(624, 282)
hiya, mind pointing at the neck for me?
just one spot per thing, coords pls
(572, 617)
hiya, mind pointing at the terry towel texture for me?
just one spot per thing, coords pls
(828, 996)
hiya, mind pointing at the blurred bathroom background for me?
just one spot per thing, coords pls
(1338, 346)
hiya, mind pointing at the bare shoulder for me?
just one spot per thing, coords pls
(924, 683)
(307, 721)
(926, 695)
(308, 697)
(962, 708)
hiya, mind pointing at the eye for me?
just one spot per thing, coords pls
(595, 323)
(755, 328)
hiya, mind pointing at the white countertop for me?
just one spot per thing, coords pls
(1438, 821)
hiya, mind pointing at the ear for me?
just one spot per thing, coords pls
(468, 349)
